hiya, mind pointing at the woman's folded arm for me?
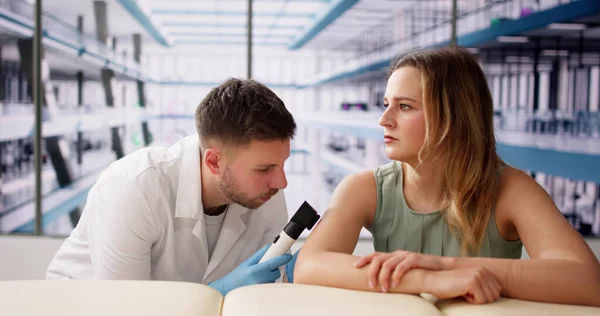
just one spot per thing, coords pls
(326, 258)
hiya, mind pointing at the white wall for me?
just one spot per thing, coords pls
(217, 63)
(26, 257)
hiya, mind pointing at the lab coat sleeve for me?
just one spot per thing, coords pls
(121, 230)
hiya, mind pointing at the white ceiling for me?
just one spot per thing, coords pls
(276, 22)
(120, 23)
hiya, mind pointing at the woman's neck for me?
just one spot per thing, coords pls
(424, 187)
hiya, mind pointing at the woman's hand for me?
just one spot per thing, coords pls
(477, 285)
(384, 266)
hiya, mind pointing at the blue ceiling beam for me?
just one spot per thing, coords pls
(335, 10)
(566, 12)
(241, 25)
(136, 12)
(230, 13)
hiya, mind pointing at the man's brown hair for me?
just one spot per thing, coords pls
(240, 111)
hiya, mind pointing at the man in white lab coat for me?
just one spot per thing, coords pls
(203, 210)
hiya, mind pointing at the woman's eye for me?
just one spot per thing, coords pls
(404, 106)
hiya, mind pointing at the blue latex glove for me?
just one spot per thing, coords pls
(251, 272)
(289, 268)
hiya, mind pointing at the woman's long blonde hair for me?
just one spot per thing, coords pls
(460, 132)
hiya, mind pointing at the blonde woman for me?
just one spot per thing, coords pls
(448, 217)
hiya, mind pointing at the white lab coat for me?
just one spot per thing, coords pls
(144, 220)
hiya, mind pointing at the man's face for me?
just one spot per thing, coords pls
(255, 173)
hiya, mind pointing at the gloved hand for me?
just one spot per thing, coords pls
(289, 267)
(251, 272)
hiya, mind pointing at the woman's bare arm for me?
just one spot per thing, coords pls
(326, 258)
(562, 268)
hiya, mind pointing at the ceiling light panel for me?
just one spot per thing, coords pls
(304, 7)
(264, 20)
(567, 26)
(184, 5)
(209, 29)
(512, 39)
(295, 21)
(282, 31)
(211, 37)
(189, 19)
(220, 7)
(276, 40)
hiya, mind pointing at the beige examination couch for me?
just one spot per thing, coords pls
(149, 298)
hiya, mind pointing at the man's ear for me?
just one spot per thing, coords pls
(212, 159)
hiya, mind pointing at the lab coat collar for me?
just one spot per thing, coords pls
(189, 188)
(234, 225)
(188, 202)
(189, 205)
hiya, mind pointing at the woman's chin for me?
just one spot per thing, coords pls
(393, 154)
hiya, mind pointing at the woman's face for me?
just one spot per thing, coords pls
(404, 120)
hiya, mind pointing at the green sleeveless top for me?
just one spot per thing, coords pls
(396, 227)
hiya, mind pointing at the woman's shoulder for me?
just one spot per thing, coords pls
(368, 178)
(357, 182)
(357, 192)
(513, 181)
(514, 186)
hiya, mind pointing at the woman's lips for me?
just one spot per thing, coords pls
(389, 139)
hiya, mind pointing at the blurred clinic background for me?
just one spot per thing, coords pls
(118, 75)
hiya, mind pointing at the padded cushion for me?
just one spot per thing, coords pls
(115, 298)
(506, 306)
(302, 300)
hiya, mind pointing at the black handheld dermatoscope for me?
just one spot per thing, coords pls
(305, 218)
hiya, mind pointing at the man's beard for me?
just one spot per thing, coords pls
(231, 190)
